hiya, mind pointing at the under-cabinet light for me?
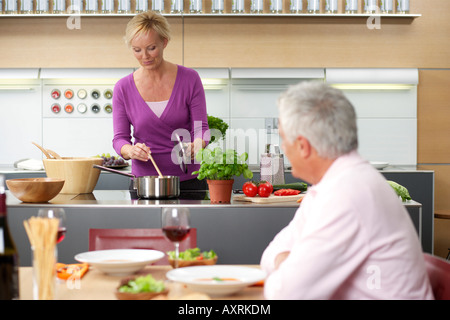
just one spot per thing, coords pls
(372, 86)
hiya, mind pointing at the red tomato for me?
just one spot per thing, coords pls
(264, 190)
(250, 189)
(286, 192)
(266, 183)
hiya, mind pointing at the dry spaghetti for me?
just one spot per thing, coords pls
(42, 235)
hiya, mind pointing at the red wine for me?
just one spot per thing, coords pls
(9, 258)
(60, 235)
(175, 233)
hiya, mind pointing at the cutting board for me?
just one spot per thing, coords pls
(270, 199)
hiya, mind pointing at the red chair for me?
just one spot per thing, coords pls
(439, 274)
(154, 239)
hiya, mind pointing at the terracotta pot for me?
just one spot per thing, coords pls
(220, 190)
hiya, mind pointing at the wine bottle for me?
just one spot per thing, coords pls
(9, 258)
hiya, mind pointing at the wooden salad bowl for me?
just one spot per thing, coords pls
(35, 189)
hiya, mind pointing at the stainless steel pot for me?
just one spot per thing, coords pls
(151, 187)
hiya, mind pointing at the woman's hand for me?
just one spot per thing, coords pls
(195, 147)
(139, 151)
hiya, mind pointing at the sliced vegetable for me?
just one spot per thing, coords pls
(301, 186)
(286, 192)
(400, 190)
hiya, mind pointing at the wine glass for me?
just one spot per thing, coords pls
(56, 213)
(175, 226)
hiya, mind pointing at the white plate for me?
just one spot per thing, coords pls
(379, 165)
(192, 278)
(119, 262)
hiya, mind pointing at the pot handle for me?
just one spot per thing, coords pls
(114, 171)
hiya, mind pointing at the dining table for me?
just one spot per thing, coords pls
(96, 285)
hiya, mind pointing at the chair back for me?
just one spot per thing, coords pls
(439, 274)
(154, 239)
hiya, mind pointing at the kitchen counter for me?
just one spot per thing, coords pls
(123, 199)
(239, 232)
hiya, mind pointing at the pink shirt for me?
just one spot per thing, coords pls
(157, 107)
(351, 238)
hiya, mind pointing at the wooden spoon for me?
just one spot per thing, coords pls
(54, 154)
(43, 150)
(154, 163)
(156, 167)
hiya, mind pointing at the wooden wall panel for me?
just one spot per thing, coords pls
(433, 117)
(321, 42)
(238, 42)
(48, 43)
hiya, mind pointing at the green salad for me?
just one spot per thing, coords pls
(193, 254)
(143, 284)
(401, 191)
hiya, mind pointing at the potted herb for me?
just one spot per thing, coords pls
(219, 168)
(215, 123)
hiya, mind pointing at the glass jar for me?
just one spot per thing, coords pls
(217, 6)
(91, 6)
(176, 6)
(351, 6)
(370, 6)
(158, 6)
(331, 6)
(141, 6)
(108, 6)
(387, 6)
(123, 6)
(26, 6)
(403, 6)
(276, 6)
(296, 6)
(313, 6)
(76, 6)
(257, 6)
(237, 6)
(59, 6)
(10, 6)
(195, 6)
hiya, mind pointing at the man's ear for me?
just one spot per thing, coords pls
(304, 147)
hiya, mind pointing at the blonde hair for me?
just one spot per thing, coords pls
(145, 22)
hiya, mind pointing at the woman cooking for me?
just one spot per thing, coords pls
(158, 99)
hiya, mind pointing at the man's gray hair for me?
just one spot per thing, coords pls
(321, 114)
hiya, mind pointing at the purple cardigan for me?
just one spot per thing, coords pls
(185, 114)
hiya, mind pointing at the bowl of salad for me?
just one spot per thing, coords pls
(143, 287)
(193, 257)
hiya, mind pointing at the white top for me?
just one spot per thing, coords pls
(158, 107)
(351, 238)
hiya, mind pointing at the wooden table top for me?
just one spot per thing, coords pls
(95, 285)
